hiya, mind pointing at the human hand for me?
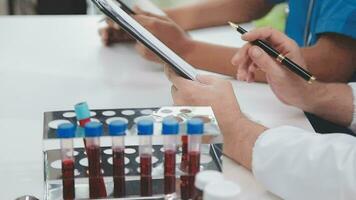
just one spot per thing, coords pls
(287, 86)
(166, 31)
(113, 33)
(206, 91)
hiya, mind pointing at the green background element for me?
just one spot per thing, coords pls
(276, 18)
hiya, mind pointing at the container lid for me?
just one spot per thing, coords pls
(66, 130)
(195, 127)
(118, 128)
(221, 190)
(203, 178)
(170, 126)
(82, 111)
(145, 127)
(93, 129)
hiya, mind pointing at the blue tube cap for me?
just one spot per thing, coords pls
(118, 128)
(195, 127)
(93, 129)
(145, 127)
(82, 111)
(66, 130)
(170, 126)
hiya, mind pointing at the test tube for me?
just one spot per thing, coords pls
(184, 161)
(204, 178)
(82, 113)
(195, 130)
(170, 130)
(145, 131)
(195, 127)
(222, 190)
(117, 130)
(93, 131)
(66, 132)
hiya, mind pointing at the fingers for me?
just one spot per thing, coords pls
(275, 37)
(139, 11)
(146, 53)
(152, 24)
(242, 61)
(104, 33)
(206, 79)
(178, 81)
(263, 61)
(250, 76)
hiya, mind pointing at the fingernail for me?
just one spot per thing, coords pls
(256, 52)
(244, 36)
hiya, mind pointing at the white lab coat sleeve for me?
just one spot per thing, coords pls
(353, 124)
(299, 165)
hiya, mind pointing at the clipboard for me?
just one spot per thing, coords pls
(113, 9)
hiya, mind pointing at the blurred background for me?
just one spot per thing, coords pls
(276, 18)
(30, 7)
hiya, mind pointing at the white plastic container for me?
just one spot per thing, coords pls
(204, 178)
(221, 190)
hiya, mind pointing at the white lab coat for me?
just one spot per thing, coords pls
(298, 165)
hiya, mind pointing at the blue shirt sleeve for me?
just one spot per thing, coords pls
(337, 16)
(275, 1)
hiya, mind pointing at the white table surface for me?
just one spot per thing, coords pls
(50, 63)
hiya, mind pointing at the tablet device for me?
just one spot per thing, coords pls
(112, 9)
(127, 9)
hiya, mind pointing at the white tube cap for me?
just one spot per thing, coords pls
(221, 190)
(203, 178)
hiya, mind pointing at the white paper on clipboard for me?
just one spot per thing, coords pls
(155, 44)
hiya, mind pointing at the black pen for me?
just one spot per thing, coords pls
(278, 56)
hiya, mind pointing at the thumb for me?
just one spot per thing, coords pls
(206, 79)
(264, 61)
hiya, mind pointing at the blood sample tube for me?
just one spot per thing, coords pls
(204, 178)
(145, 131)
(83, 116)
(184, 161)
(170, 130)
(195, 130)
(222, 190)
(66, 132)
(83, 113)
(93, 131)
(117, 130)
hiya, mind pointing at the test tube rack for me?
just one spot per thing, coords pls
(210, 160)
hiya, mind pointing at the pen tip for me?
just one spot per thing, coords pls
(233, 25)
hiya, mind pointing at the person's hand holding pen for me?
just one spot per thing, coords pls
(288, 87)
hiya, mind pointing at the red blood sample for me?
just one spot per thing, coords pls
(184, 187)
(194, 167)
(146, 174)
(84, 121)
(184, 162)
(96, 181)
(100, 182)
(119, 172)
(169, 171)
(68, 179)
